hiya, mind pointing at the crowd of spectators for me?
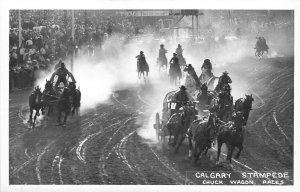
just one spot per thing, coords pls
(46, 37)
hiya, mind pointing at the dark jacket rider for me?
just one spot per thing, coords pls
(204, 98)
(141, 60)
(181, 97)
(174, 62)
(62, 73)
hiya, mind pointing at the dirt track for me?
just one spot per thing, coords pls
(103, 147)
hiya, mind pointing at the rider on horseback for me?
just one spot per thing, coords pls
(223, 80)
(204, 98)
(162, 59)
(181, 59)
(261, 45)
(62, 73)
(141, 60)
(181, 97)
(162, 52)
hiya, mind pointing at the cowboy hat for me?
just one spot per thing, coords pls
(182, 87)
(206, 61)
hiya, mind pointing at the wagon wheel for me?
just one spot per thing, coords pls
(157, 126)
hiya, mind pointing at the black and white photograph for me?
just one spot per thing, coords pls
(158, 96)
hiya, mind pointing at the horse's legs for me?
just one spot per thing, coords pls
(58, 119)
(176, 133)
(181, 138)
(240, 147)
(30, 116)
(34, 119)
(201, 148)
(219, 150)
(190, 146)
(66, 116)
(229, 154)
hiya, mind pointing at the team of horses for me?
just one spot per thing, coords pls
(65, 102)
(224, 122)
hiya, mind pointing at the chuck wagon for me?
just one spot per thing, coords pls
(168, 110)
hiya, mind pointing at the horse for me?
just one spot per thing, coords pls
(261, 50)
(244, 105)
(232, 136)
(187, 117)
(182, 61)
(49, 96)
(162, 62)
(35, 103)
(64, 105)
(175, 74)
(75, 97)
(201, 132)
(142, 68)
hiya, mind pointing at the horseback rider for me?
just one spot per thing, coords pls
(174, 60)
(162, 51)
(204, 98)
(264, 44)
(261, 44)
(181, 97)
(258, 43)
(162, 59)
(223, 80)
(62, 73)
(141, 60)
(174, 64)
(182, 61)
(179, 50)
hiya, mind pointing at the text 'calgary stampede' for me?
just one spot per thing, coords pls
(248, 178)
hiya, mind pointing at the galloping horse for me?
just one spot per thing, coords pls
(64, 105)
(162, 62)
(142, 67)
(175, 74)
(75, 97)
(232, 136)
(187, 117)
(244, 105)
(201, 132)
(35, 103)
